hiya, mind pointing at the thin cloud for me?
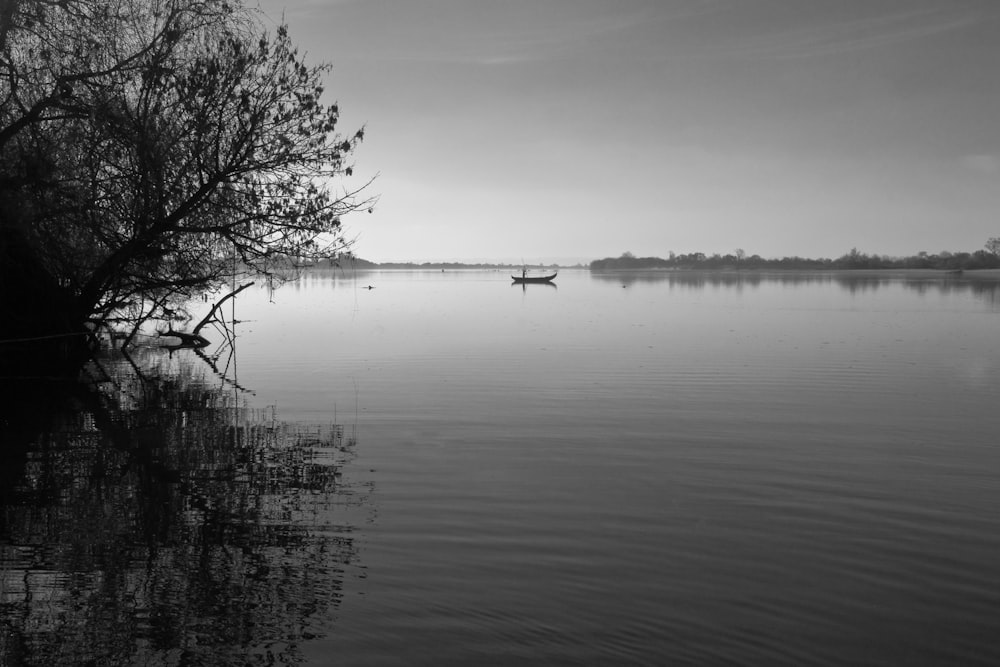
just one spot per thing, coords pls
(986, 164)
(541, 42)
(849, 36)
(525, 42)
(527, 36)
(569, 36)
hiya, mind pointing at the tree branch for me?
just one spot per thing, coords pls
(211, 314)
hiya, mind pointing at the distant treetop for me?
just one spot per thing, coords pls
(988, 258)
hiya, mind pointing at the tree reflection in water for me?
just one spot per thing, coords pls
(152, 519)
(983, 285)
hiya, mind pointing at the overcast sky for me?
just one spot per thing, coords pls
(557, 130)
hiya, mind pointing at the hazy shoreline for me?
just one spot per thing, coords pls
(890, 272)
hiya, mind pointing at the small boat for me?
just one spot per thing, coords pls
(534, 279)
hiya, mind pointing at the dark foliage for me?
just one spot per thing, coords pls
(149, 152)
(988, 258)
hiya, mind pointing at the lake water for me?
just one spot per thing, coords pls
(632, 469)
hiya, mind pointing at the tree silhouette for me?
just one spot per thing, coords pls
(150, 150)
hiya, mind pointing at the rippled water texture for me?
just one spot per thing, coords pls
(641, 469)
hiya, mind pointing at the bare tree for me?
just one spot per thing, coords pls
(150, 150)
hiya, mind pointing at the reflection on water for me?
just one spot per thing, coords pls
(762, 469)
(525, 286)
(785, 473)
(154, 518)
(985, 286)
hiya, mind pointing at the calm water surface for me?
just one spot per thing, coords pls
(624, 471)
(647, 470)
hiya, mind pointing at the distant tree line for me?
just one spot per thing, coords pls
(987, 258)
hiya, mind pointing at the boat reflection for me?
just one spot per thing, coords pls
(524, 285)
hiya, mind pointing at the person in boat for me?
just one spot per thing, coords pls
(524, 273)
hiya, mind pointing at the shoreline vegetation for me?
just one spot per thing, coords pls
(854, 260)
(954, 262)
